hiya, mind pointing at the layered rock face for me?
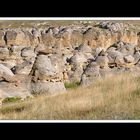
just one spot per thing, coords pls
(36, 61)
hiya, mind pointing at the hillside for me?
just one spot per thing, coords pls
(69, 69)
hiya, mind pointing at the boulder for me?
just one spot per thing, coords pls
(43, 49)
(96, 52)
(46, 87)
(127, 49)
(15, 51)
(6, 73)
(84, 48)
(2, 39)
(10, 63)
(120, 61)
(57, 62)
(17, 38)
(112, 56)
(75, 74)
(23, 68)
(78, 58)
(48, 39)
(91, 74)
(27, 53)
(31, 40)
(19, 87)
(10, 90)
(43, 68)
(77, 62)
(76, 38)
(4, 53)
(129, 59)
(102, 61)
(112, 26)
(136, 57)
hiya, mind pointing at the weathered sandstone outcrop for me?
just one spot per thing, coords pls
(35, 61)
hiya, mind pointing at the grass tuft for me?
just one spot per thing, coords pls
(11, 99)
(71, 85)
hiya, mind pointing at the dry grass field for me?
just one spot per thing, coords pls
(110, 98)
(46, 23)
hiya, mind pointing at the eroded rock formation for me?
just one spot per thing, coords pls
(35, 61)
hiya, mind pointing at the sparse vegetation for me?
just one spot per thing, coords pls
(110, 98)
(45, 23)
(71, 85)
(12, 99)
(38, 23)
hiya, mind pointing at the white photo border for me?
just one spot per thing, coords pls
(69, 18)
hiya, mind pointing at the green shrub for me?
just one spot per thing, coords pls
(71, 85)
(11, 99)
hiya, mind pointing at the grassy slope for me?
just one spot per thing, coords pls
(111, 98)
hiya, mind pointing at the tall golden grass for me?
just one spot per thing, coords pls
(116, 97)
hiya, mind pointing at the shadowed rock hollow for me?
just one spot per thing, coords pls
(36, 60)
